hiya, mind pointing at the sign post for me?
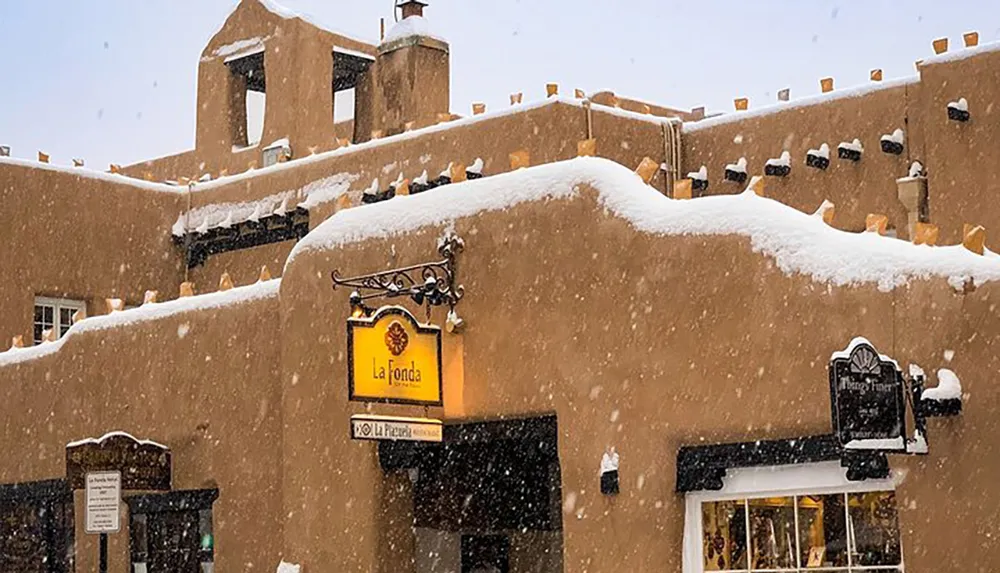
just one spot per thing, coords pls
(103, 510)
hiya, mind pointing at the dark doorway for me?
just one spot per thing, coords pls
(485, 554)
(488, 495)
(36, 527)
(172, 532)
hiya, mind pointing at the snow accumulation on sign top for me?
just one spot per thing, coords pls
(798, 242)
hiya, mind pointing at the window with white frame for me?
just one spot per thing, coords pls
(54, 314)
(852, 527)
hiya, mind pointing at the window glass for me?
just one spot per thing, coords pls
(65, 319)
(44, 315)
(822, 531)
(874, 527)
(724, 535)
(772, 533)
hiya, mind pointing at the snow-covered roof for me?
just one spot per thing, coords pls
(412, 26)
(347, 150)
(146, 312)
(289, 14)
(852, 92)
(798, 242)
(201, 219)
(238, 49)
(961, 54)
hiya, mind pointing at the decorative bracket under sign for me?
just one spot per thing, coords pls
(426, 284)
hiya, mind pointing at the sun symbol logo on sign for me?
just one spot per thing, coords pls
(396, 338)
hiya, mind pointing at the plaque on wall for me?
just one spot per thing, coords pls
(144, 465)
(867, 399)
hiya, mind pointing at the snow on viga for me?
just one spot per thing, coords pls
(201, 219)
(798, 242)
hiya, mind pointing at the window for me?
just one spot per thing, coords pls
(55, 314)
(838, 532)
(782, 529)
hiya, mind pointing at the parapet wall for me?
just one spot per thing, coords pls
(640, 352)
(81, 236)
(958, 157)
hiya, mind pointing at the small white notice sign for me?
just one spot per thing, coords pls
(104, 494)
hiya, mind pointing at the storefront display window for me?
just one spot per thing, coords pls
(843, 532)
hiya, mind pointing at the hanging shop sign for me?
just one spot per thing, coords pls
(393, 358)
(867, 399)
(366, 427)
(143, 465)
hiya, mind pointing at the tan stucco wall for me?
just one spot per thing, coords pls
(210, 395)
(961, 157)
(70, 236)
(868, 186)
(642, 343)
(956, 156)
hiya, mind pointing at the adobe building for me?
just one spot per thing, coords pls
(760, 341)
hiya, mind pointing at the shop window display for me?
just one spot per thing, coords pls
(857, 532)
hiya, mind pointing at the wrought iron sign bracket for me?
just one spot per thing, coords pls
(426, 284)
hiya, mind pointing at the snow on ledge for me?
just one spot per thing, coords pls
(412, 26)
(798, 242)
(310, 159)
(890, 444)
(284, 567)
(115, 434)
(289, 14)
(949, 387)
(961, 54)
(145, 313)
(94, 174)
(853, 92)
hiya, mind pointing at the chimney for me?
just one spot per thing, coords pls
(411, 8)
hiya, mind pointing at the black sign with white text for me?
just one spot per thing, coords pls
(867, 399)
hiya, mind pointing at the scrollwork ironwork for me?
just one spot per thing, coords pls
(432, 283)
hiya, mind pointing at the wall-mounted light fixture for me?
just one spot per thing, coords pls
(609, 473)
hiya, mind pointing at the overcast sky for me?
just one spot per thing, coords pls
(114, 80)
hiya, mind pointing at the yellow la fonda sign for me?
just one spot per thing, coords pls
(393, 358)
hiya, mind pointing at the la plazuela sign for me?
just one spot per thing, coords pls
(394, 358)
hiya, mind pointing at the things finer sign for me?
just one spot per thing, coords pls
(143, 465)
(867, 399)
(393, 358)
